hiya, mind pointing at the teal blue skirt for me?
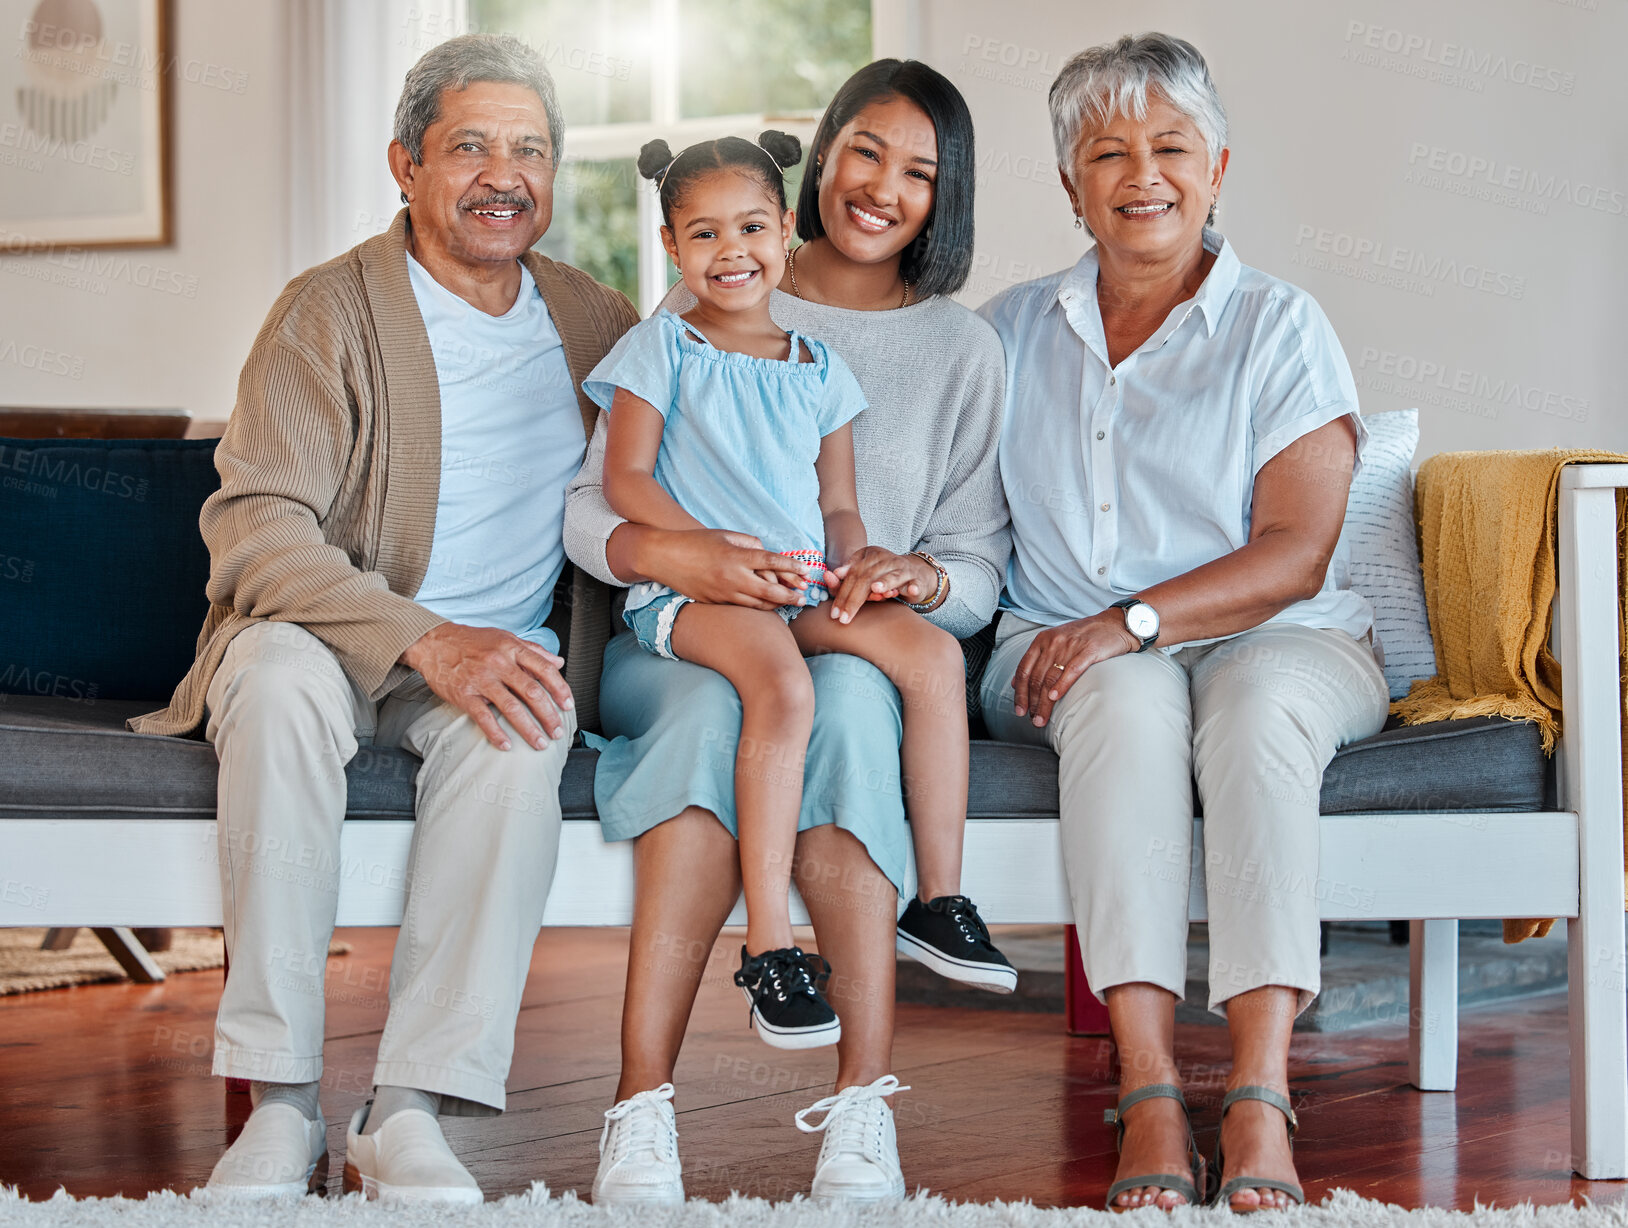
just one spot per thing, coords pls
(674, 727)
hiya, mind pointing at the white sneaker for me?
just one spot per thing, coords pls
(638, 1153)
(859, 1160)
(280, 1154)
(405, 1161)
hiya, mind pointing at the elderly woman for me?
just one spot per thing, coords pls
(885, 213)
(1180, 438)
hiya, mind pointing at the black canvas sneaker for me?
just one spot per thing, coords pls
(949, 936)
(783, 987)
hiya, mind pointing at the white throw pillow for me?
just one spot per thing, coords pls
(1382, 545)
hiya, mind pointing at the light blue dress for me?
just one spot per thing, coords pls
(737, 452)
(678, 724)
(927, 480)
(741, 433)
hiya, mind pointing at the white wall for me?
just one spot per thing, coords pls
(1336, 146)
(346, 63)
(1347, 157)
(169, 327)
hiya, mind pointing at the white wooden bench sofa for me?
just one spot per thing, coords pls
(1466, 819)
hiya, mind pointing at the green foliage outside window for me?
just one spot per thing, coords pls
(596, 51)
(596, 222)
(768, 57)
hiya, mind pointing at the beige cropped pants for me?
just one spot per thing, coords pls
(1254, 719)
(285, 720)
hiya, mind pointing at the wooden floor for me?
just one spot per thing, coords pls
(106, 1089)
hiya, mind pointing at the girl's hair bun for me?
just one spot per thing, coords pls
(654, 158)
(785, 149)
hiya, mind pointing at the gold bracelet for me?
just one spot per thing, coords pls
(939, 593)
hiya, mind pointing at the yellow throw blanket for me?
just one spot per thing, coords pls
(1487, 529)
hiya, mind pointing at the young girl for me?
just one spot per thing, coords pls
(720, 419)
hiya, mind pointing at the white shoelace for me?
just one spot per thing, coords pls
(857, 1114)
(645, 1127)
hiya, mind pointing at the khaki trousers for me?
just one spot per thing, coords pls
(285, 720)
(1255, 719)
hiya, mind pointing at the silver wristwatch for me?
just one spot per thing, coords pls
(1141, 620)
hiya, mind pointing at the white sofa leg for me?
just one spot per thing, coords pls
(1433, 1005)
(1599, 1081)
(1586, 623)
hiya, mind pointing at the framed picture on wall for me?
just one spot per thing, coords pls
(84, 119)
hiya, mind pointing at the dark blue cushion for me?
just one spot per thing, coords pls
(102, 569)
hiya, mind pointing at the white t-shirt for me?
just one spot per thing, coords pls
(1122, 477)
(511, 438)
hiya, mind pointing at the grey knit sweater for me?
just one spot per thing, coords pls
(924, 452)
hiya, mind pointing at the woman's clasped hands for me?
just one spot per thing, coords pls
(874, 573)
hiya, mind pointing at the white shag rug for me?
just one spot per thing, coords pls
(537, 1208)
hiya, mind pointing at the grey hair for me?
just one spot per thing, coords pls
(459, 63)
(1116, 78)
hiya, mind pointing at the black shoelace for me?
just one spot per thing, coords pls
(964, 913)
(787, 970)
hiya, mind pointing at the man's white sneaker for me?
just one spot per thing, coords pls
(280, 1154)
(638, 1153)
(406, 1160)
(859, 1160)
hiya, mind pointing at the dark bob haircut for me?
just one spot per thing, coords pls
(941, 257)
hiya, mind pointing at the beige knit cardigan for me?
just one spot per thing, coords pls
(331, 466)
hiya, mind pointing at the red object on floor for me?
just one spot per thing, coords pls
(1083, 1015)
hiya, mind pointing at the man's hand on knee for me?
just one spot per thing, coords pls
(478, 668)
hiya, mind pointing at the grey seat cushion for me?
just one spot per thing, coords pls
(1479, 764)
(70, 758)
(78, 760)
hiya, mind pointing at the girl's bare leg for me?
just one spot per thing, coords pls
(686, 878)
(927, 666)
(752, 649)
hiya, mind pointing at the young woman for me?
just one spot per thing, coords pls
(886, 217)
(720, 418)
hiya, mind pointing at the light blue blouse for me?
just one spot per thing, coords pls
(1122, 477)
(742, 433)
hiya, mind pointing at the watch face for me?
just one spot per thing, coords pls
(1141, 620)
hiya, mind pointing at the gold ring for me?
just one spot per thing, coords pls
(1054, 665)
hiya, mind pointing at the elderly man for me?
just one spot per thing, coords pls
(384, 550)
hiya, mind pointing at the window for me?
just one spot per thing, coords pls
(628, 71)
